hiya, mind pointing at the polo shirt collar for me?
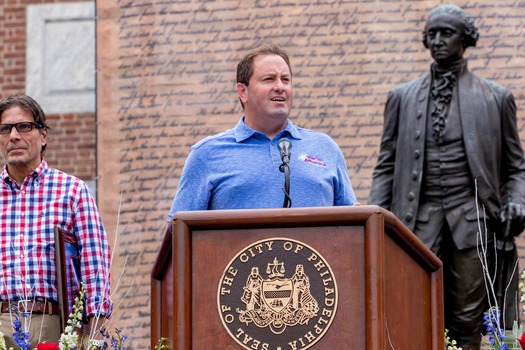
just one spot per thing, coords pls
(243, 131)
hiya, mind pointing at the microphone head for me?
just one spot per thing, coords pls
(284, 146)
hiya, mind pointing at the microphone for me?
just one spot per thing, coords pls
(285, 146)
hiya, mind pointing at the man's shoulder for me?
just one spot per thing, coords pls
(215, 139)
(62, 177)
(316, 139)
(312, 134)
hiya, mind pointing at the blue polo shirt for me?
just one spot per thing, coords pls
(239, 169)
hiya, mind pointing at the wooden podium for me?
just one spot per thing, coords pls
(389, 285)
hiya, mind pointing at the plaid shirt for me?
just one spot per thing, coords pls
(29, 213)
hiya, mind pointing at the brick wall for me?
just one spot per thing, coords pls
(73, 142)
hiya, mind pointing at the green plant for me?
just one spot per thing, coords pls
(162, 344)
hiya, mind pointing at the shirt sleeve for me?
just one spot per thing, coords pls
(95, 253)
(344, 193)
(195, 186)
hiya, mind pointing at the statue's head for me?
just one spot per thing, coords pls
(448, 32)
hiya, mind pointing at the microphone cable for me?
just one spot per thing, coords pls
(284, 146)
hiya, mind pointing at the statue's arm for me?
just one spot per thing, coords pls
(512, 167)
(383, 174)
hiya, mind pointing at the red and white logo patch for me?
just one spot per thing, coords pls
(312, 160)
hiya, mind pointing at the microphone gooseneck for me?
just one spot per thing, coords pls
(285, 146)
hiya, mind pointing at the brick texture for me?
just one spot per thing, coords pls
(72, 142)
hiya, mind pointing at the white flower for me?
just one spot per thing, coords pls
(2, 342)
(68, 341)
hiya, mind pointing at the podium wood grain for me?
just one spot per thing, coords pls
(389, 283)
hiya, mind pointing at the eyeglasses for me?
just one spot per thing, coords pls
(20, 127)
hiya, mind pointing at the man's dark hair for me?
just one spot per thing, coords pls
(470, 30)
(28, 104)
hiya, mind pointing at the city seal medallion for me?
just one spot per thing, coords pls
(277, 294)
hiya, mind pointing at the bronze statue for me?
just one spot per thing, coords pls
(447, 135)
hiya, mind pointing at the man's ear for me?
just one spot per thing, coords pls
(43, 136)
(242, 90)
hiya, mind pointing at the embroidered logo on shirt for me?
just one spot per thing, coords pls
(312, 160)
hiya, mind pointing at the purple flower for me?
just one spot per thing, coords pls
(117, 338)
(496, 335)
(20, 337)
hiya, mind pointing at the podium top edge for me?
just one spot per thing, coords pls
(343, 211)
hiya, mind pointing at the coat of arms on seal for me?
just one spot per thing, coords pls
(277, 294)
(277, 302)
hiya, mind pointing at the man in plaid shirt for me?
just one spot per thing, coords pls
(34, 200)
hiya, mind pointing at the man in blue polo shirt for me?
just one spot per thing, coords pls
(240, 168)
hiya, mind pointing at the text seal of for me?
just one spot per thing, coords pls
(277, 294)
